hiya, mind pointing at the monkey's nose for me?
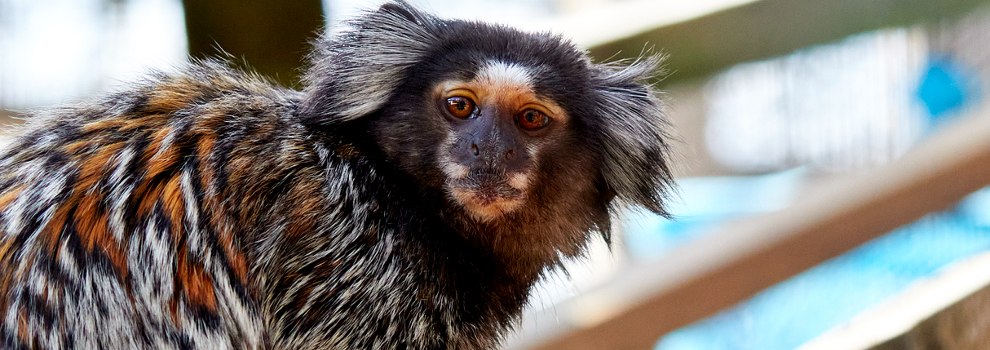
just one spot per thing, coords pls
(476, 151)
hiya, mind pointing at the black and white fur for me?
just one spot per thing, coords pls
(210, 209)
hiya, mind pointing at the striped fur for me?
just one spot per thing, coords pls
(211, 209)
(119, 218)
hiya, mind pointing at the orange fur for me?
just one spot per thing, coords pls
(93, 230)
(173, 95)
(9, 197)
(204, 149)
(7, 245)
(22, 329)
(173, 204)
(198, 287)
(94, 167)
(302, 219)
(103, 125)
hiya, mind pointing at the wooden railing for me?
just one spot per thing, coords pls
(651, 298)
(753, 30)
(950, 310)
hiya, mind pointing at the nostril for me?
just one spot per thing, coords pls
(474, 149)
(508, 154)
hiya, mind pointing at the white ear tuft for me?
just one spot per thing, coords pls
(633, 133)
(354, 73)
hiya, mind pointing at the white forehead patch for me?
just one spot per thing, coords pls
(498, 73)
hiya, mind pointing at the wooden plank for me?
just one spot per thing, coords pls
(621, 19)
(950, 310)
(770, 28)
(742, 258)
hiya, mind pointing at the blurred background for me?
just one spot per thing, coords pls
(770, 99)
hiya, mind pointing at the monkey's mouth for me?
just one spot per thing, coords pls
(486, 199)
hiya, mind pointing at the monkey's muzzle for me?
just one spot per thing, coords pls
(487, 196)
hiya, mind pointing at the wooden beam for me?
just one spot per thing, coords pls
(950, 310)
(769, 28)
(742, 258)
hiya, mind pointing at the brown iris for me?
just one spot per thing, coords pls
(532, 120)
(460, 107)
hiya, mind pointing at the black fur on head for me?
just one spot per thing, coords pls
(383, 72)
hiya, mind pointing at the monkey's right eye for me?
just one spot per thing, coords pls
(460, 107)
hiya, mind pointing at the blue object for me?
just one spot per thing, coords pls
(704, 202)
(799, 309)
(944, 87)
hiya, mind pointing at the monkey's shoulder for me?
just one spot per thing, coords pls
(204, 101)
(90, 191)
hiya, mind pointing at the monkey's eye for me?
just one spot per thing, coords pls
(460, 107)
(532, 120)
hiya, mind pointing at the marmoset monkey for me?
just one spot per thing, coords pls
(409, 196)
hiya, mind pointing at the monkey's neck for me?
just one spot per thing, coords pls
(346, 247)
(487, 283)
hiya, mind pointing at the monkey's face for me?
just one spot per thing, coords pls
(503, 124)
(487, 132)
(497, 126)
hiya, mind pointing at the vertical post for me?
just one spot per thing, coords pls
(269, 37)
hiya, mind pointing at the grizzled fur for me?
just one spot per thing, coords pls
(210, 209)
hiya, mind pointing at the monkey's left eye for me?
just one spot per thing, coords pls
(460, 107)
(532, 120)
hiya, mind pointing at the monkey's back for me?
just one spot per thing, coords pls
(115, 231)
(195, 210)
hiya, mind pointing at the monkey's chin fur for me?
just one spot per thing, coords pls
(486, 205)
